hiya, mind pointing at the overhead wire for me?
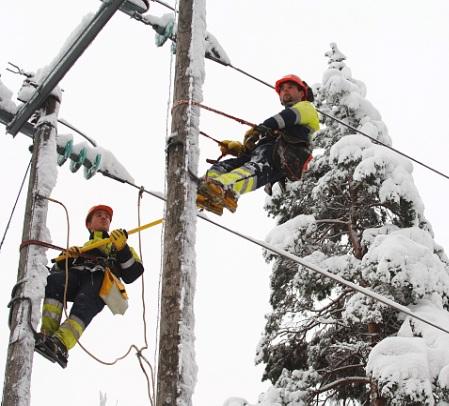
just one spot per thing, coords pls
(300, 261)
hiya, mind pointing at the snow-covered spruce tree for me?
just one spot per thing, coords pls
(356, 213)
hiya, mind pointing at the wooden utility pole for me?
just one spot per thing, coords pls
(25, 303)
(176, 365)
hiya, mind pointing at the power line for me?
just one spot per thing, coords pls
(300, 261)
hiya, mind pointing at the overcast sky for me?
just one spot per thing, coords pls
(117, 93)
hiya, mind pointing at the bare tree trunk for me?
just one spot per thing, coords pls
(374, 334)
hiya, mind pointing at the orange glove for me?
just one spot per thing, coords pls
(234, 148)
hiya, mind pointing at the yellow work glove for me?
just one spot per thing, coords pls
(234, 148)
(250, 138)
(73, 252)
(118, 239)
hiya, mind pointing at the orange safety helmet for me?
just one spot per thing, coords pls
(93, 209)
(295, 79)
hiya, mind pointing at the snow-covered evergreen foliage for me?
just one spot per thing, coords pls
(356, 213)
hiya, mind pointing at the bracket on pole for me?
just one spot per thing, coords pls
(58, 71)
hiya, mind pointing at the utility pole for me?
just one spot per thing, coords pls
(176, 373)
(26, 298)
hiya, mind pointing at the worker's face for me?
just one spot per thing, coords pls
(289, 94)
(100, 221)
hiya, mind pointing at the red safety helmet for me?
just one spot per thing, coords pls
(93, 209)
(295, 79)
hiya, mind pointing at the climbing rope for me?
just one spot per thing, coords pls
(221, 113)
(15, 204)
(152, 384)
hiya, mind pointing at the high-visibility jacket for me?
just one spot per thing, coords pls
(298, 122)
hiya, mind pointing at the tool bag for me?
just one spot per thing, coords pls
(291, 155)
(113, 293)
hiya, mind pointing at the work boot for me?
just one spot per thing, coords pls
(45, 346)
(230, 200)
(214, 196)
(57, 351)
(204, 204)
(40, 345)
(213, 190)
(211, 195)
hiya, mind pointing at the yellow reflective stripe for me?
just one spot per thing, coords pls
(213, 173)
(307, 115)
(51, 316)
(234, 175)
(52, 306)
(244, 186)
(242, 180)
(70, 331)
(248, 182)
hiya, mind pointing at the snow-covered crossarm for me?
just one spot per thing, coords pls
(6, 103)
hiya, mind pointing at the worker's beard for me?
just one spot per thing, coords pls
(289, 103)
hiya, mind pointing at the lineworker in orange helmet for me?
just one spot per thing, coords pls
(273, 151)
(84, 279)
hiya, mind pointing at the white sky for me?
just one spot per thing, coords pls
(117, 93)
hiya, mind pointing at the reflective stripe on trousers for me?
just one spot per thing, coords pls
(70, 331)
(51, 316)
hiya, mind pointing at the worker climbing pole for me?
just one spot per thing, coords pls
(90, 277)
(273, 151)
